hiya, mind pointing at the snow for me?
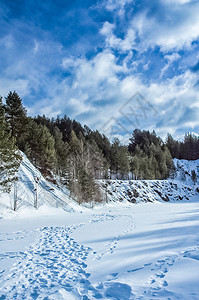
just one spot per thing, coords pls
(143, 251)
(137, 191)
(185, 167)
(120, 250)
(48, 194)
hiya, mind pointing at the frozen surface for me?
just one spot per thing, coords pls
(143, 251)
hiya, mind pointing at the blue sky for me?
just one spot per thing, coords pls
(87, 59)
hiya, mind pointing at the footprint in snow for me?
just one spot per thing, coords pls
(55, 262)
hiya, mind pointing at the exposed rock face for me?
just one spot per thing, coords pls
(136, 191)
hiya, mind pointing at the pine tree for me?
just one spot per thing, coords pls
(173, 146)
(153, 159)
(62, 151)
(15, 116)
(74, 158)
(40, 146)
(9, 156)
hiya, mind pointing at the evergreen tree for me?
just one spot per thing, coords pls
(187, 149)
(173, 146)
(62, 151)
(151, 157)
(74, 158)
(40, 146)
(15, 116)
(9, 156)
(119, 160)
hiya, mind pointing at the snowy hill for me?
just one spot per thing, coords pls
(47, 193)
(184, 170)
(135, 191)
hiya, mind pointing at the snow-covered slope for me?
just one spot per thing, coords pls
(184, 170)
(181, 187)
(136, 191)
(47, 193)
(133, 191)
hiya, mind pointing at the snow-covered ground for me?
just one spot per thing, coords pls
(120, 250)
(143, 251)
(184, 169)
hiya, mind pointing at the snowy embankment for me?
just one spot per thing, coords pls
(116, 251)
(48, 194)
(136, 191)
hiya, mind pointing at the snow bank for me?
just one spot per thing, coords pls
(48, 194)
(136, 191)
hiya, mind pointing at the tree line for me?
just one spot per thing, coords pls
(77, 155)
(186, 149)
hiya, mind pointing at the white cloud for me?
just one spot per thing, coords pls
(99, 80)
(95, 89)
(7, 42)
(36, 47)
(114, 42)
(177, 1)
(95, 93)
(91, 73)
(176, 29)
(170, 59)
(118, 6)
(19, 85)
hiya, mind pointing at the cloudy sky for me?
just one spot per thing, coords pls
(110, 64)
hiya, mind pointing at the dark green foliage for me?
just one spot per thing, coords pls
(9, 155)
(15, 116)
(173, 146)
(187, 149)
(62, 151)
(151, 159)
(119, 160)
(88, 189)
(143, 139)
(40, 145)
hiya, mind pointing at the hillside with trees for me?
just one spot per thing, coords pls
(77, 156)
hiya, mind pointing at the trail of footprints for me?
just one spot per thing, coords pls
(157, 282)
(56, 261)
(14, 235)
(110, 246)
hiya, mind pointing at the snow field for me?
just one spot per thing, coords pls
(144, 251)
